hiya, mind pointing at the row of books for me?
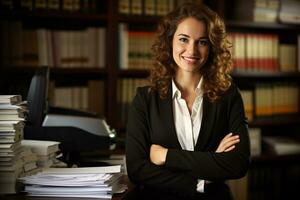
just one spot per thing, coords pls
(44, 47)
(270, 11)
(125, 93)
(271, 100)
(146, 7)
(289, 12)
(78, 6)
(262, 52)
(134, 48)
(266, 10)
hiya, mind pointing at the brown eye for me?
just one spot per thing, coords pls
(203, 43)
(184, 40)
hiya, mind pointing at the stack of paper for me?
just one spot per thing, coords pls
(12, 108)
(12, 116)
(46, 151)
(10, 99)
(29, 160)
(89, 182)
(106, 160)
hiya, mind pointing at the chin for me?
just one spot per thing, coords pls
(191, 68)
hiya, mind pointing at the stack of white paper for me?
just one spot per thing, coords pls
(92, 182)
(12, 117)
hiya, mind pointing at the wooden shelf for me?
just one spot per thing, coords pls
(285, 120)
(78, 73)
(278, 159)
(133, 73)
(56, 72)
(233, 24)
(139, 19)
(266, 76)
(77, 70)
(53, 15)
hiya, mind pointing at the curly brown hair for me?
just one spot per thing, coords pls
(215, 73)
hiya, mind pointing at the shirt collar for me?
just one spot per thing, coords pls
(198, 89)
(176, 92)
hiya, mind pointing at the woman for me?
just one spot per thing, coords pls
(187, 131)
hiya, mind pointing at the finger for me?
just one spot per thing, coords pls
(230, 143)
(230, 148)
(227, 141)
(231, 138)
(227, 136)
(223, 144)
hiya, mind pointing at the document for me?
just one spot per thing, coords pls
(84, 170)
(89, 182)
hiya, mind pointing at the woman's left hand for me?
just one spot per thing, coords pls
(228, 143)
(158, 154)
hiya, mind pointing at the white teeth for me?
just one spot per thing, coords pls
(190, 59)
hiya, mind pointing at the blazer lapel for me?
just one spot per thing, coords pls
(208, 119)
(167, 119)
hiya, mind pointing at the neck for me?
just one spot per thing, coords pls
(187, 82)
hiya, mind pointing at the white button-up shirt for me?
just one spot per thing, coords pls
(188, 124)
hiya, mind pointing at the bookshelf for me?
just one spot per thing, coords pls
(109, 17)
(29, 18)
(269, 172)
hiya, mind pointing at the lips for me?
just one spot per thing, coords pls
(191, 59)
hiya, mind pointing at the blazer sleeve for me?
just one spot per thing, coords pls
(139, 168)
(218, 166)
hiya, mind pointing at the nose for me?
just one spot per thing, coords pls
(191, 48)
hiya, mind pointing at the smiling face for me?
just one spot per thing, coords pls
(190, 45)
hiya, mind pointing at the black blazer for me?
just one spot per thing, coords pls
(151, 122)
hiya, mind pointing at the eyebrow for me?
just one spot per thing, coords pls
(185, 35)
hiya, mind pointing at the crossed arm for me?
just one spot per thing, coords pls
(158, 153)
